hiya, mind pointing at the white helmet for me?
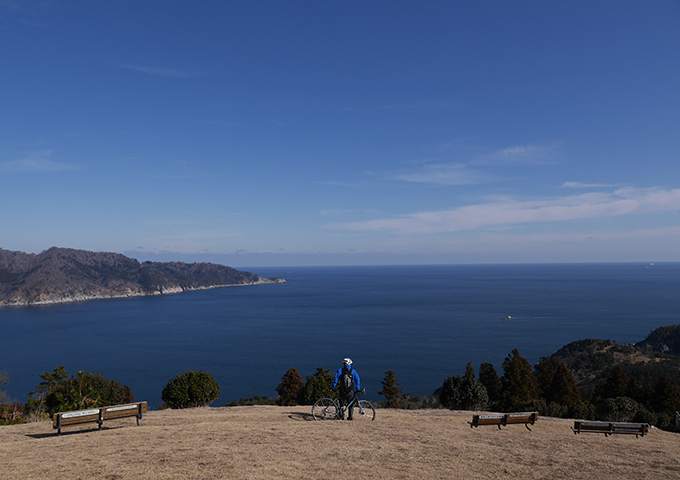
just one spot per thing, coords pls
(347, 361)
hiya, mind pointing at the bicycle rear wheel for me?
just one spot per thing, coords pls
(364, 411)
(325, 409)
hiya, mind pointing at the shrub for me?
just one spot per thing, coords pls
(191, 389)
(318, 385)
(291, 388)
(11, 414)
(619, 409)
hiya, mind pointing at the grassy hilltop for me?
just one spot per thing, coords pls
(284, 442)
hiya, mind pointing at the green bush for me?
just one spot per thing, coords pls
(60, 393)
(191, 389)
(464, 393)
(618, 409)
(318, 385)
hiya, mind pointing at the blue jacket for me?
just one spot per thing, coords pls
(355, 377)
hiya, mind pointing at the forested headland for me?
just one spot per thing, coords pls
(62, 275)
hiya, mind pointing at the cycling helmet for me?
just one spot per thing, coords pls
(347, 361)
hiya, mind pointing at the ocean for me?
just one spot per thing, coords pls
(424, 322)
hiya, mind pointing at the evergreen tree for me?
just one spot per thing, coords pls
(464, 393)
(490, 379)
(318, 385)
(666, 396)
(4, 380)
(556, 383)
(469, 372)
(291, 388)
(519, 388)
(392, 391)
(615, 386)
(636, 391)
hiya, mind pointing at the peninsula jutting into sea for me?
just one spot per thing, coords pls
(63, 275)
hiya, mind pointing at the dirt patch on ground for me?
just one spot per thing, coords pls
(284, 442)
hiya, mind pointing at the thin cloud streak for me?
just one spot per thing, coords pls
(509, 212)
(160, 71)
(36, 163)
(520, 154)
(444, 174)
(475, 171)
(587, 185)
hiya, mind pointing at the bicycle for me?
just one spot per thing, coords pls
(330, 409)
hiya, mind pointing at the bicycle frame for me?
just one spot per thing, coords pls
(329, 409)
(355, 401)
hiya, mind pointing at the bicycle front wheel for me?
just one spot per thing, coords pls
(325, 409)
(364, 411)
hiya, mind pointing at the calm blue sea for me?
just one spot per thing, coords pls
(423, 322)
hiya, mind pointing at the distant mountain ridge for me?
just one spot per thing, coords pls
(62, 275)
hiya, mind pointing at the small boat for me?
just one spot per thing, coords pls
(507, 318)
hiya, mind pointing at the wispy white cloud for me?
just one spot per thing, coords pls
(346, 213)
(35, 162)
(444, 174)
(509, 212)
(587, 185)
(480, 166)
(406, 107)
(161, 71)
(520, 154)
(339, 184)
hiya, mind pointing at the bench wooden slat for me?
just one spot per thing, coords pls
(75, 417)
(502, 419)
(122, 411)
(98, 415)
(610, 428)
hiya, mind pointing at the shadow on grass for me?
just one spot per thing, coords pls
(65, 433)
(301, 417)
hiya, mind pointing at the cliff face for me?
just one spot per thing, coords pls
(61, 275)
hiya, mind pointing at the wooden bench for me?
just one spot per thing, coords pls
(502, 419)
(98, 415)
(611, 428)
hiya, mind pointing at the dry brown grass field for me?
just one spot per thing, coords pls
(285, 442)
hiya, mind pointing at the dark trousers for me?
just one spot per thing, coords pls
(344, 400)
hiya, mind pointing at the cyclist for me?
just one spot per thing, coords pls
(349, 383)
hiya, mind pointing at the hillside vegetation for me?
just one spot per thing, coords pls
(60, 275)
(591, 361)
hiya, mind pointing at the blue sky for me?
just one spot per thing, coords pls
(321, 133)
